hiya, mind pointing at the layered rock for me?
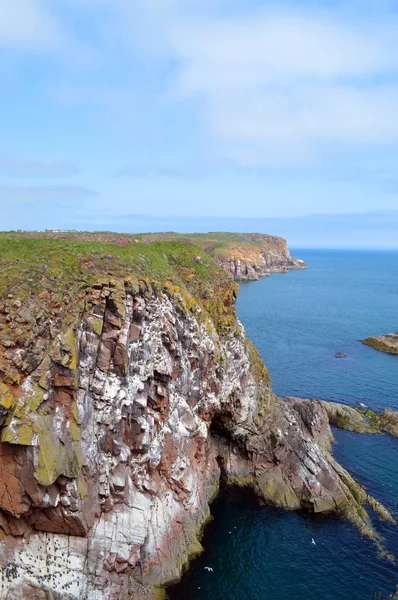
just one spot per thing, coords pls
(287, 462)
(121, 409)
(268, 254)
(384, 343)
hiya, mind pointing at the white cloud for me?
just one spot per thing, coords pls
(288, 85)
(275, 87)
(302, 122)
(274, 49)
(289, 88)
(27, 24)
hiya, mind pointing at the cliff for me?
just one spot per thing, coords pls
(246, 256)
(128, 392)
(384, 343)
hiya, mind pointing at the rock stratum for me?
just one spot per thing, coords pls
(384, 343)
(129, 392)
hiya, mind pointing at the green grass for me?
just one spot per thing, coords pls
(220, 244)
(30, 266)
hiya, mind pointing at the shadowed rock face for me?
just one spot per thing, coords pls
(106, 456)
(384, 343)
(115, 439)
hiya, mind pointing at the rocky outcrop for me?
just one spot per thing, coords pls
(257, 256)
(122, 408)
(287, 462)
(362, 420)
(384, 343)
(347, 417)
(387, 421)
(243, 268)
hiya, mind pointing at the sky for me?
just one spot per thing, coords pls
(197, 115)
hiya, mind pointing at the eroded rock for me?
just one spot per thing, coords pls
(113, 447)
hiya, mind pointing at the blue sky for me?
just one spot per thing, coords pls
(195, 115)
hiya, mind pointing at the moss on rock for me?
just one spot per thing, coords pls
(383, 343)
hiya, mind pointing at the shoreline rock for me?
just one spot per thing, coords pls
(383, 343)
(360, 419)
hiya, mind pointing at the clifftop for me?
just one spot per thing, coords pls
(244, 255)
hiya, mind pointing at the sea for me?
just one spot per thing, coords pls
(298, 322)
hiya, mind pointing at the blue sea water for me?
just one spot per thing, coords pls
(298, 321)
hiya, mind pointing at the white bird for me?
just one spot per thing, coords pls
(313, 542)
(208, 569)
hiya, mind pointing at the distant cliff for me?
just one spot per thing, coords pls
(128, 392)
(244, 255)
(256, 255)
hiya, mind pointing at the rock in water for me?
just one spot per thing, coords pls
(384, 343)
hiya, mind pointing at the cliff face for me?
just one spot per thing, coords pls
(249, 262)
(124, 401)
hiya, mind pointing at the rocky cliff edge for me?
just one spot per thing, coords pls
(128, 392)
(246, 256)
